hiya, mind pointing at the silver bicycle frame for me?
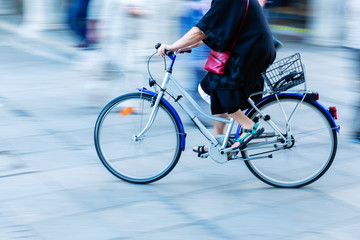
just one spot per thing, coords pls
(167, 78)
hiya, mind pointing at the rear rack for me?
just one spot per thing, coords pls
(285, 74)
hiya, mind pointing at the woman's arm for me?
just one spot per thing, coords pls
(198, 44)
(192, 38)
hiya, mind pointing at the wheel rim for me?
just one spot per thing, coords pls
(312, 152)
(142, 161)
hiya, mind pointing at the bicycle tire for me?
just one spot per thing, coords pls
(314, 138)
(144, 161)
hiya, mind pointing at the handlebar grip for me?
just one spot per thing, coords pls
(157, 45)
(169, 53)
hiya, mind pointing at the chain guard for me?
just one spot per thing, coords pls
(215, 153)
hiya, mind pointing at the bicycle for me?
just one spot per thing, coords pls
(139, 137)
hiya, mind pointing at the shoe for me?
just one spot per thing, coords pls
(200, 150)
(250, 135)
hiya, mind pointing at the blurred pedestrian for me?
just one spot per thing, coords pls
(227, 22)
(77, 19)
(115, 28)
(191, 13)
(352, 41)
(265, 4)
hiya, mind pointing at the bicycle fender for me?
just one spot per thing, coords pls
(178, 119)
(300, 96)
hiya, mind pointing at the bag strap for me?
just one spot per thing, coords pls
(242, 23)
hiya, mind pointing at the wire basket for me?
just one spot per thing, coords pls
(285, 74)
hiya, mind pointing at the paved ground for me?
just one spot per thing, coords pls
(53, 186)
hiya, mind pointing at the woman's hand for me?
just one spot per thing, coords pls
(163, 48)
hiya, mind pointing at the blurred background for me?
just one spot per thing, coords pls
(61, 61)
(129, 29)
(109, 39)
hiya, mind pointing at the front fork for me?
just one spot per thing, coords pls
(156, 105)
(151, 118)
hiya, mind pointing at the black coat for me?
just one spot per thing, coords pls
(254, 50)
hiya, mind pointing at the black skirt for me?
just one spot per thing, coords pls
(231, 100)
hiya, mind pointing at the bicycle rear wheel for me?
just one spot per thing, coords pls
(148, 159)
(309, 153)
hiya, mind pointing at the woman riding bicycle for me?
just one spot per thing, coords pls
(253, 52)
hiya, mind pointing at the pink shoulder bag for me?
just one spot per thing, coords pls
(217, 60)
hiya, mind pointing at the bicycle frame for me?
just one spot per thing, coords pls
(178, 98)
(164, 88)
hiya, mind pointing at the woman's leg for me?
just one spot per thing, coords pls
(242, 119)
(246, 123)
(219, 128)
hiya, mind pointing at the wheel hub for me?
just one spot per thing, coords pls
(290, 143)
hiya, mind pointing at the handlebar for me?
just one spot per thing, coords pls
(168, 52)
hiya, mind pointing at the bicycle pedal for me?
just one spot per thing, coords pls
(204, 155)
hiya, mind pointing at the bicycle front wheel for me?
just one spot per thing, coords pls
(144, 160)
(310, 151)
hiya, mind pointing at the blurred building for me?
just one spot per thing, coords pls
(37, 15)
(316, 21)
